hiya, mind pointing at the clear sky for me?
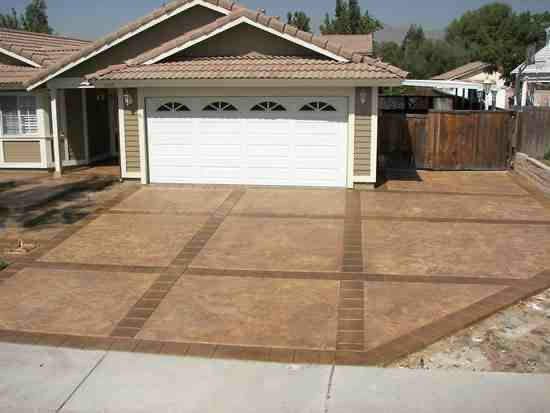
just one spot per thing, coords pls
(90, 19)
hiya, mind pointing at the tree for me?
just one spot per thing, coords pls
(300, 20)
(497, 35)
(10, 20)
(348, 19)
(34, 19)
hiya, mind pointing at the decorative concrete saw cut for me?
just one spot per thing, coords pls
(278, 274)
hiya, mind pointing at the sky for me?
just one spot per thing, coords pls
(89, 19)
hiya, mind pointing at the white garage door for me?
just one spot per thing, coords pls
(252, 141)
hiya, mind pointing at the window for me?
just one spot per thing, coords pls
(268, 107)
(18, 115)
(173, 107)
(220, 107)
(318, 107)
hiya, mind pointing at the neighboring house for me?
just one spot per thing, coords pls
(202, 91)
(476, 73)
(534, 77)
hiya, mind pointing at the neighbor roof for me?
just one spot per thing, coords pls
(359, 43)
(234, 12)
(463, 71)
(41, 49)
(252, 67)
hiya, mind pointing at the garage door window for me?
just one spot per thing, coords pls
(173, 107)
(268, 107)
(318, 107)
(220, 107)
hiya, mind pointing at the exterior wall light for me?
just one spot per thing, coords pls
(128, 100)
(363, 96)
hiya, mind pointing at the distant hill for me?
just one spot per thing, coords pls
(397, 34)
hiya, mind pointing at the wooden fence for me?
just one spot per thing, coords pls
(533, 132)
(455, 140)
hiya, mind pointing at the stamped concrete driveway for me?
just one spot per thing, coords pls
(293, 275)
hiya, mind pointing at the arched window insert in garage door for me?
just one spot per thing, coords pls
(173, 107)
(268, 107)
(220, 107)
(318, 107)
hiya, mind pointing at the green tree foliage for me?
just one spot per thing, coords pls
(421, 57)
(349, 19)
(300, 20)
(34, 19)
(496, 34)
(10, 20)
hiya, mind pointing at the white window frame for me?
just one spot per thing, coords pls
(39, 128)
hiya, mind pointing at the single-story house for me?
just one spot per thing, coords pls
(534, 77)
(198, 91)
(478, 72)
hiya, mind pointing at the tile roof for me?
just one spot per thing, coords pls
(236, 12)
(13, 77)
(360, 43)
(42, 49)
(252, 67)
(462, 71)
(125, 30)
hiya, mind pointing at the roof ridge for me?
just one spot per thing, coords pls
(26, 32)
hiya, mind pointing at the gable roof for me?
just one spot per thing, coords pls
(360, 43)
(127, 31)
(463, 71)
(37, 49)
(234, 15)
(252, 66)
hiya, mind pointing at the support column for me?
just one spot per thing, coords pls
(55, 133)
(85, 126)
(524, 91)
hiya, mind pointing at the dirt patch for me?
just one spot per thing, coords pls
(514, 340)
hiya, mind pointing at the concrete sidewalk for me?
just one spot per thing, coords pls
(36, 379)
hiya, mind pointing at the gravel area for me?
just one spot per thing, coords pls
(514, 340)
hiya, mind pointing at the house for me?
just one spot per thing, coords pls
(198, 91)
(476, 73)
(534, 77)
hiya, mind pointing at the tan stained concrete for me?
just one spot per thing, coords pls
(461, 249)
(145, 240)
(464, 182)
(292, 201)
(292, 244)
(160, 199)
(414, 205)
(69, 302)
(395, 309)
(257, 312)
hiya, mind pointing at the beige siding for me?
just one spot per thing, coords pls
(164, 32)
(132, 134)
(245, 39)
(22, 152)
(363, 131)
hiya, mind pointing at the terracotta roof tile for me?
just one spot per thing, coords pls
(462, 71)
(359, 43)
(250, 67)
(42, 49)
(13, 77)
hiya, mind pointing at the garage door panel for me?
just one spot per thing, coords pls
(244, 147)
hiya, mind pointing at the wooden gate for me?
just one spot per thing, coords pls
(456, 140)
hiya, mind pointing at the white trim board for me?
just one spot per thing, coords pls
(246, 20)
(19, 57)
(131, 34)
